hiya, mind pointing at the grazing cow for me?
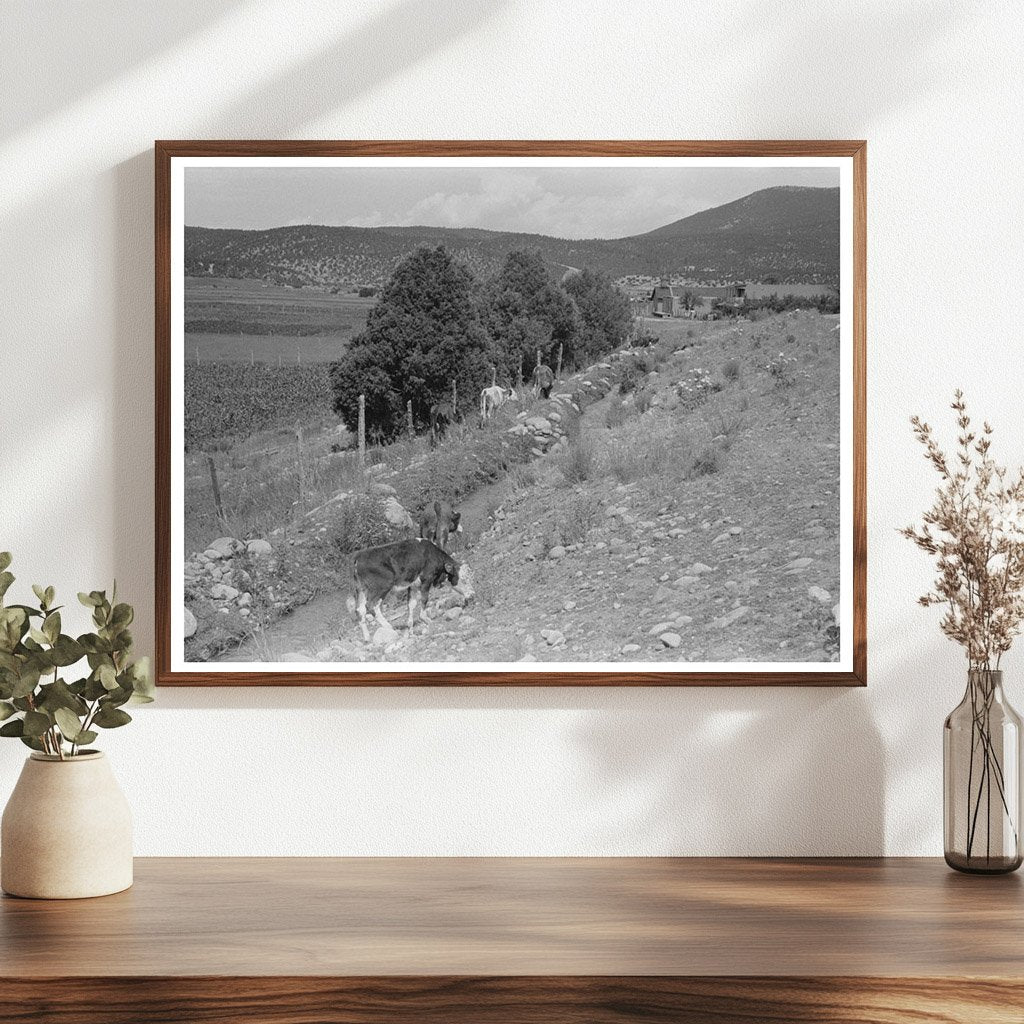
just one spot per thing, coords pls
(438, 522)
(442, 416)
(494, 398)
(543, 380)
(413, 566)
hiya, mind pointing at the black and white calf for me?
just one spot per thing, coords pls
(412, 566)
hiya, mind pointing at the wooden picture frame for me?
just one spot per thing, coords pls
(849, 671)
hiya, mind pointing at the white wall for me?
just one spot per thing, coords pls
(936, 88)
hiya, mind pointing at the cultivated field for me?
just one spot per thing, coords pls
(240, 320)
(692, 514)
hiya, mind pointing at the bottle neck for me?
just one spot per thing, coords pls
(985, 683)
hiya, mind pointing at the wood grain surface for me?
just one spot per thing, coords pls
(166, 150)
(577, 941)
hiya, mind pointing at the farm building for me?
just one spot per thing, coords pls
(669, 299)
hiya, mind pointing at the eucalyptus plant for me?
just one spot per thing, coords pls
(37, 704)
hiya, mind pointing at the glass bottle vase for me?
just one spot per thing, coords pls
(981, 771)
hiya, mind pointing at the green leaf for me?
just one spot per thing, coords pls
(40, 593)
(69, 724)
(89, 600)
(107, 676)
(66, 651)
(36, 723)
(86, 736)
(6, 579)
(31, 741)
(108, 718)
(5, 560)
(13, 625)
(16, 727)
(27, 681)
(6, 710)
(51, 626)
(38, 635)
(50, 595)
(142, 682)
(59, 695)
(122, 616)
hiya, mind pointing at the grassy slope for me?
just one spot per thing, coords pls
(638, 502)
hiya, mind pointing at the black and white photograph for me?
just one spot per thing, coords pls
(511, 414)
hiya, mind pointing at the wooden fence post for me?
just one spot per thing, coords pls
(302, 467)
(362, 430)
(408, 419)
(494, 376)
(538, 357)
(558, 372)
(218, 507)
(455, 400)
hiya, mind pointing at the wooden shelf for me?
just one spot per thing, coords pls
(507, 940)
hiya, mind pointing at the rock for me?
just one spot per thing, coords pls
(384, 635)
(382, 489)
(698, 569)
(671, 639)
(259, 547)
(453, 613)
(189, 624)
(835, 613)
(569, 606)
(735, 530)
(676, 532)
(660, 628)
(630, 648)
(222, 592)
(798, 563)
(556, 552)
(465, 586)
(685, 581)
(210, 554)
(721, 538)
(244, 600)
(538, 425)
(396, 515)
(662, 594)
(730, 618)
(224, 547)
(818, 594)
(295, 656)
(554, 637)
(682, 620)
(555, 417)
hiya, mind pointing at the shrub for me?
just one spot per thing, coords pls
(643, 399)
(783, 369)
(695, 388)
(578, 519)
(577, 462)
(618, 413)
(709, 460)
(725, 422)
(731, 370)
(359, 523)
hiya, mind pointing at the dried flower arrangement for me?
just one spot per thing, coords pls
(976, 530)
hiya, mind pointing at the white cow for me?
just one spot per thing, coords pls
(494, 398)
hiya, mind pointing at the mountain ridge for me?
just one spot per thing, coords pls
(786, 233)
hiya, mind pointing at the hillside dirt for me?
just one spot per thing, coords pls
(693, 519)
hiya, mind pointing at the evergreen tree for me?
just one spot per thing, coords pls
(423, 333)
(603, 309)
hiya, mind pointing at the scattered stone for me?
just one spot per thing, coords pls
(553, 637)
(224, 547)
(835, 613)
(569, 606)
(660, 627)
(698, 569)
(798, 563)
(538, 425)
(556, 552)
(685, 581)
(396, 515)
(222, 592)
(730, 618)
(384, 635)
(630, 648)
(244, 600)
(735, 530)
(818, 594)
(382, 489)
(453, 613)
(682, 620)
(295, 656)
(662, 594)
(189, 624)
(671, 639)
(259, 547)
(676, 533)
(721, 538)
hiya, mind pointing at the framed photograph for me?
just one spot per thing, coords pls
(510, 413)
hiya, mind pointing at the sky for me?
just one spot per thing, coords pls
(567, 202)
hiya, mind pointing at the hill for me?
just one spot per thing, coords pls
(785, 234)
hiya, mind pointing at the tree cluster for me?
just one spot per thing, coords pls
(435, 323)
